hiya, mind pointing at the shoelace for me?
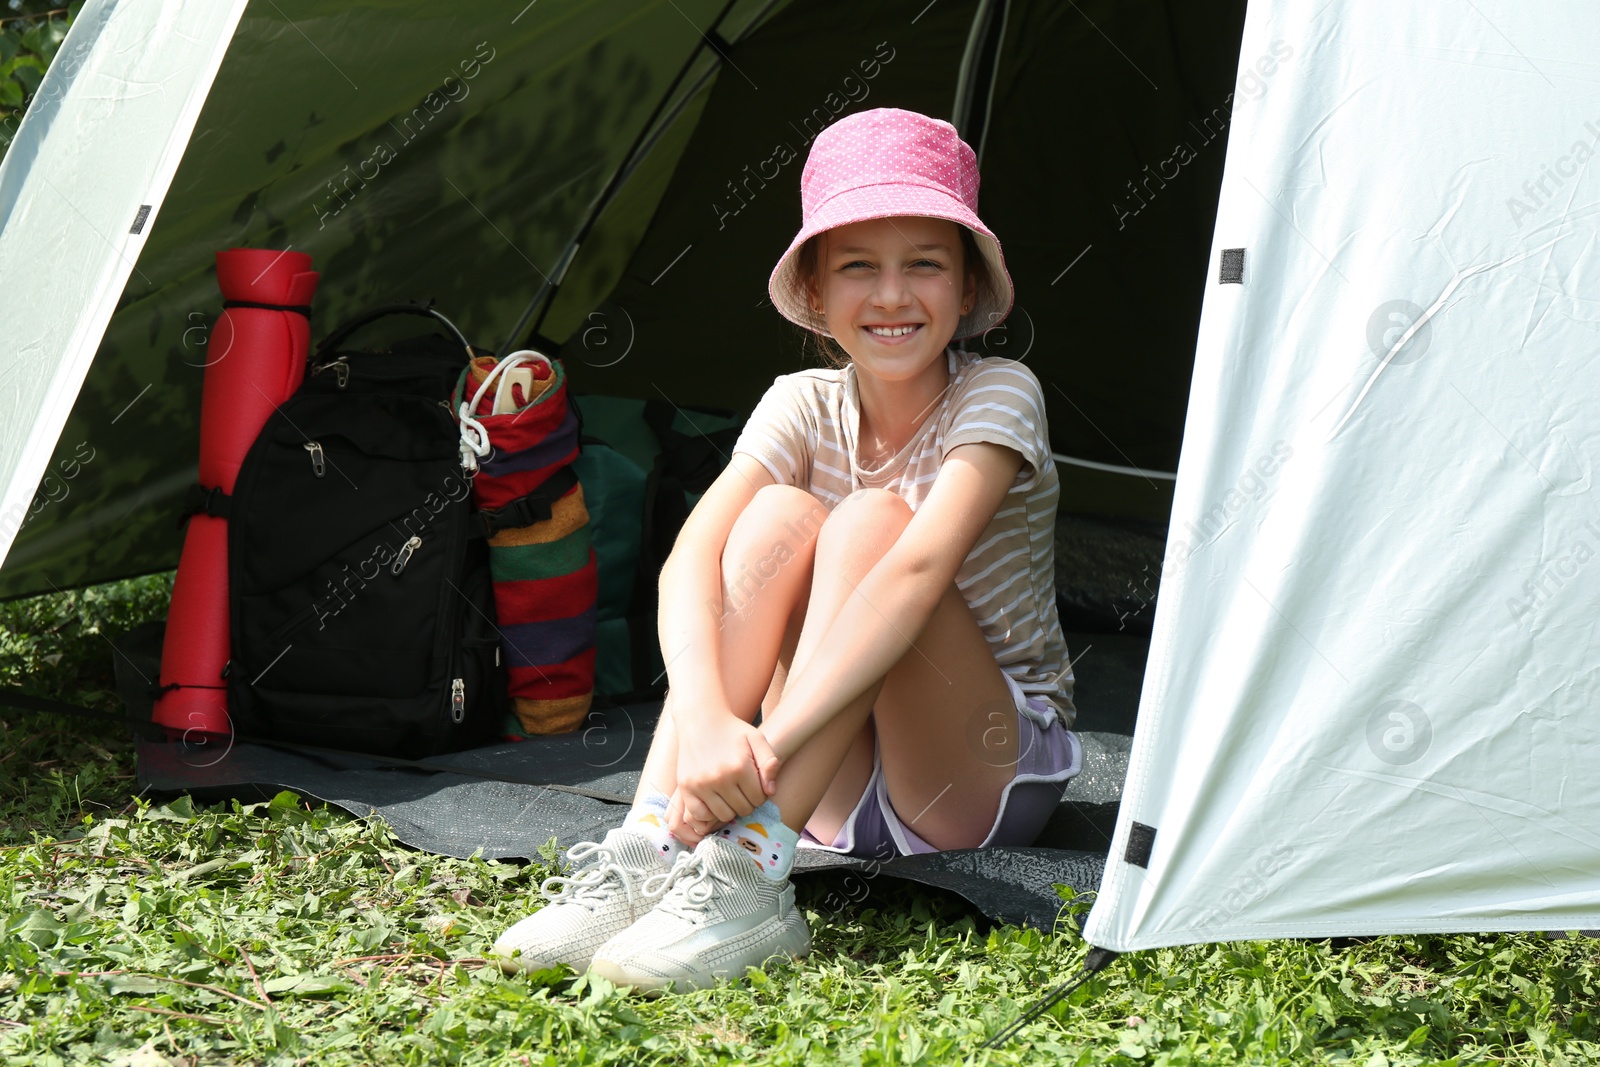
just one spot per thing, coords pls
(692, 883)
(587, 888)
(474, 437)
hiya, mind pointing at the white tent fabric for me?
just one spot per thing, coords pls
(1371, 701)
(80, 187)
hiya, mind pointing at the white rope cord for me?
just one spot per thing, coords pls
(474, 437)
(1074, 461)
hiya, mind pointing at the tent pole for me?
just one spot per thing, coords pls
(982, 54)
(960, 110)
(667, 120)
(994, 78)
(649, 133)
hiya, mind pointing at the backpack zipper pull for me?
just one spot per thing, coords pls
(458, 699)
(405, 554)
(341, 370)
(315, 448)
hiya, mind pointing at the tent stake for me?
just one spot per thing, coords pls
(1096, 961)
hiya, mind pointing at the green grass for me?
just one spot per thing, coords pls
(145, 932)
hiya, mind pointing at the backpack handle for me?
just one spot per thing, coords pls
(343, 333)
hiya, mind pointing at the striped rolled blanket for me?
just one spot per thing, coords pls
(520, 435)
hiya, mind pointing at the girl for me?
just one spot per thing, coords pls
(872, 573)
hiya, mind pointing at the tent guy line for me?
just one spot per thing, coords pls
(1132, 466)
(1114, 468)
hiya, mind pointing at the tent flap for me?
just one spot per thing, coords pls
(1369, 702)
(80, 190)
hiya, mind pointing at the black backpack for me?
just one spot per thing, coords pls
(362, 614)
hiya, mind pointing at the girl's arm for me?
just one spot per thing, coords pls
(881, 619)
(689, 616)
(724, 765)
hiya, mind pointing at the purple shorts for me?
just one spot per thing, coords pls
(1050, 755)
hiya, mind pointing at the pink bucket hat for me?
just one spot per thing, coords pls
(884, 162)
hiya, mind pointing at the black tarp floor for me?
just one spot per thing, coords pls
(454, 811)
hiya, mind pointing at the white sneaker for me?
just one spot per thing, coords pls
(719, 915)
(586, 908)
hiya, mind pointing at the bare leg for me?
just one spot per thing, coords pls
(766, 571)
(938, 780)
(944, 714)
(822, 782)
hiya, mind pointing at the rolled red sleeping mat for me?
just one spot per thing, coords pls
(255, 358)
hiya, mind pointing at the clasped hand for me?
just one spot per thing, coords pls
(726, 769)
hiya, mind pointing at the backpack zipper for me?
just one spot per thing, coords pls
(403, 557)
(317, 467)
(291, 624)
(305, 614)
(453, 534)
(341, 370)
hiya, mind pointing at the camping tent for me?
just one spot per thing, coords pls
(616, 180)
(1366, 703)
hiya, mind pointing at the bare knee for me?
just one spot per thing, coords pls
(778, 514)
(866, 503)
(777, 528)
(865, 517)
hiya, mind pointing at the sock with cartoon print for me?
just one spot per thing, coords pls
(765, 836)
(648, 818)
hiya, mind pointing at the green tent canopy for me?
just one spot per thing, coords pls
(614, 178)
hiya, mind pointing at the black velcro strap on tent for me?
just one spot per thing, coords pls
(1141, 842)
(1232, 270)
(150, 731)
(298, 309)
(527, 510)
(210, 500)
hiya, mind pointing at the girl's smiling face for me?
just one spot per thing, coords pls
(892, 290)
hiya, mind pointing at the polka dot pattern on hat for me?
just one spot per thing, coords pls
(889, 146)
(882, 163)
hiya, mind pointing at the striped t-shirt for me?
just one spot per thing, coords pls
(804, 430)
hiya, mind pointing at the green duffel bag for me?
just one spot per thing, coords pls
(643, 464)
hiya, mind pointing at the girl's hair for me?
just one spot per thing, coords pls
(827, 350)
